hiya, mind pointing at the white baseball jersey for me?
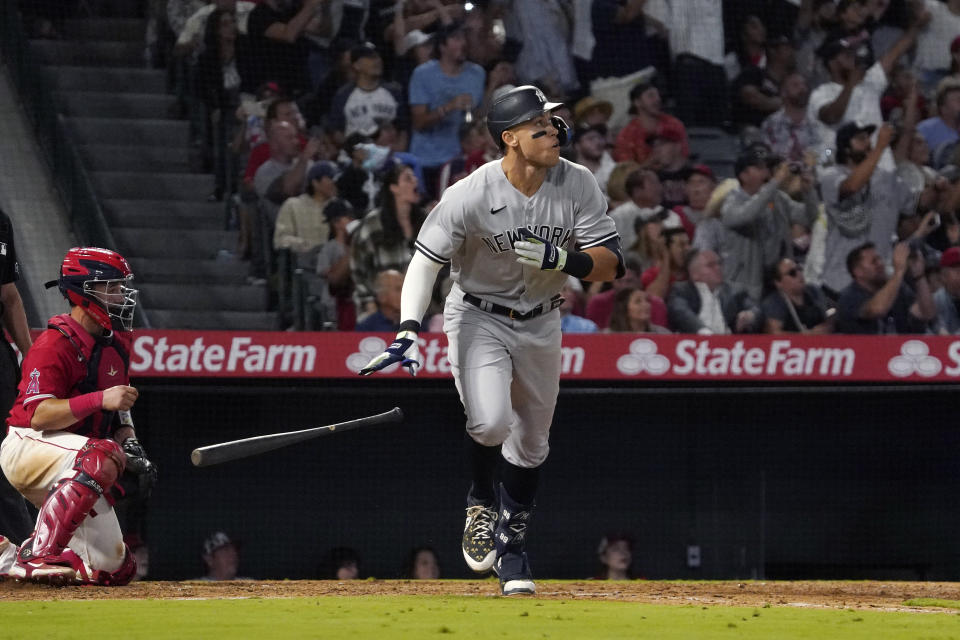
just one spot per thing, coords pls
(477, 220)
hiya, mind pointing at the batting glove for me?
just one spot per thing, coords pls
(403, 350)
(534, 251)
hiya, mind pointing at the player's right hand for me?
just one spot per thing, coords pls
(403, 350)
(119, 398)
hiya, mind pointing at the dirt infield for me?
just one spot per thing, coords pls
(840, 595)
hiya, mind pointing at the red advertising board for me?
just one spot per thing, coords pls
(223, 354)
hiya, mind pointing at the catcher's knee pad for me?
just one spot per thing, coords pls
(99, 463)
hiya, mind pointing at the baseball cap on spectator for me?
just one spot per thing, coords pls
(584, 130)
(217, 540)
(950, 257)
(668, 135)
(777, 40)
(414, 39)
(321, 169)
(363, 50)
(585, 105)
(700, 169)
(832, 48)
(846, 133)
(267, 89)
(756, 155)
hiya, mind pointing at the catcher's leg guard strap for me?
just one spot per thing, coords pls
(98, 464)
(121, 576)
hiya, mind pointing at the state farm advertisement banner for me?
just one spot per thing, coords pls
(792, 358)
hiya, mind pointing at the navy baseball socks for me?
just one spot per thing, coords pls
(510, 537)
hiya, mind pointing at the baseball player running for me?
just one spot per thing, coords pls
(514, 231)
(69, 435)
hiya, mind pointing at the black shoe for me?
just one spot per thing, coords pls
(478, 547)
(514, 573)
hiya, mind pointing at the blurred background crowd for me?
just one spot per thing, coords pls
(771, 165)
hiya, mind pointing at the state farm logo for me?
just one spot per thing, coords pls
(914, 358)
(643, 356)
(370, 348)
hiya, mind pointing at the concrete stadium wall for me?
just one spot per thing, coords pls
(767, 482)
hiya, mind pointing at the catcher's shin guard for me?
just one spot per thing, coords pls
(98, 465)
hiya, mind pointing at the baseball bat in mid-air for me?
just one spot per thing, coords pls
(236, 449)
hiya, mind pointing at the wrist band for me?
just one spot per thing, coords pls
(410, 325)
(88, 403)
(579, 264)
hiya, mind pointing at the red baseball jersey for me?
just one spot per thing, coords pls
(65, 362)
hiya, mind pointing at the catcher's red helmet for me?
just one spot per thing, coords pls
(98, 280)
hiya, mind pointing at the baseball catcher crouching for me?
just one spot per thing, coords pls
(70, 436)
(514, 231)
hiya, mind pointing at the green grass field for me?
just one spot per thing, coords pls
(389, 617)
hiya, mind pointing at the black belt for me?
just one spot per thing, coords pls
(499, 309)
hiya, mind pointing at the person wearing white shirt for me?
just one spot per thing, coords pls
(932, 57)
(854, 90)
(696, 44)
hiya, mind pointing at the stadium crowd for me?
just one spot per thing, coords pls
(333, 127)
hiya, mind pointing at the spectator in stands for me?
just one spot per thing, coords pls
(385, 238)
(421, 564)
(477, 148)
(631, 313)
(360, 103)
(646, 193)
(862, 199)
(877, 304)
(936, 42)
(758, 216)
(356, 182)
(794, 306)
(756, 91)
(942, 129)
(626, 39)
(179, 13)
(333, 288)
(219, 85)
(341, 563)
(947, 297)
(221, 555)
(590, 144)
(902, 87)
(670, 163)
(706, 304)
(810, 31)
(301, 225)
(856, 86)
(571, 320)
(645, 106)
(789, 132)
(276, 49)
(284, 174)
(544, 57)
(190, 37)
(697, 46)
(750, 50)
(648, 246)
(426, 16)
(280, 109)
(386, 289)
(697, 188)
(669, 267)
(442, 92)
(589, 112)
(615, 554)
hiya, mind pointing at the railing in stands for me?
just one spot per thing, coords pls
(40, 104)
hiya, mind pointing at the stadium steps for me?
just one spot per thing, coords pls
(715, 148)
(139, 160)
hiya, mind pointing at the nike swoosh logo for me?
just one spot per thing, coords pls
(496, 211)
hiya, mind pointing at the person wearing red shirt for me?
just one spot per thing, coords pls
(70, 436)
(645, 105)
